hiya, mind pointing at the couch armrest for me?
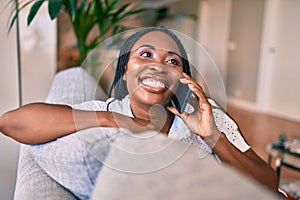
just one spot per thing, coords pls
(71, 86)
(33, 183)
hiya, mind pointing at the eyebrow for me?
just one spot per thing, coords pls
(148, 46)
(174, 53)
(153, 48)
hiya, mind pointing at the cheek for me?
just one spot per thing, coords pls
(132, 85)
(134, 63)
(132, 71)
(175, 76)
(131, 77)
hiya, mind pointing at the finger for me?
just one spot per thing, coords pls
(203, 104)
(202, 99)
(173, 110)
(197, 90)
(191, 83)
(188, 80)
(193, 100)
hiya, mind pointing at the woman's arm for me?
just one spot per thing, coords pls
(247, 162)
(201, 122)
(40, 122)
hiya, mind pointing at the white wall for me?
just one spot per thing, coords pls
(38, 55)
(244, 52)
(38, 67)
(262, 50)
(213, 31)
(8, 100)
(278, 91)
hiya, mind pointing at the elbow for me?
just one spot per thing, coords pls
(11, 127)
(4, 127)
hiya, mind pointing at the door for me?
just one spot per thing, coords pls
(279, 84)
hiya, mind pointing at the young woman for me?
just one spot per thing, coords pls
(151, 64)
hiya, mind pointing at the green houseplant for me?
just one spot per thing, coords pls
(85, 15)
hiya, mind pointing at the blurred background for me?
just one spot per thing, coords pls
(255, 45)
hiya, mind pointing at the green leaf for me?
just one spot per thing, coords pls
(101, 24)
(12, 22)
(81, 7)
(16, 11)
(94, 43)
(54, 8)
(114, 3)
(134, 12)
(120, 10)
(34, 9)
(89, 10)
(98, 8)
(72, 8)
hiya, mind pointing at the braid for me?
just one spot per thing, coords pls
(119, 85)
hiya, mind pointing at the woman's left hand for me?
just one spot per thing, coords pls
(201, 120)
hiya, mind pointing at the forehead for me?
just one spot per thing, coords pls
(159, 40)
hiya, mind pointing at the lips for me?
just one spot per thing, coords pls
(154, 83)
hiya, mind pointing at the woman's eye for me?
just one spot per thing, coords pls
(173, 62)
(146, 54)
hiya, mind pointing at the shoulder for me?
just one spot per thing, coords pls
(120, 106)
(93, 105)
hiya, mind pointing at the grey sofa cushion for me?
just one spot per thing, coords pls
(71, 86)
(188, 177)
(34, 184)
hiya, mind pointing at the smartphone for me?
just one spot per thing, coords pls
(181, 97)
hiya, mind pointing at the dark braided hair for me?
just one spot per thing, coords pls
(119, 85)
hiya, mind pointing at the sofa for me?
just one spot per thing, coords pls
(186, 177)
(71, 86)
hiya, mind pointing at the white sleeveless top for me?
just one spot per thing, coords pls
(75, 160)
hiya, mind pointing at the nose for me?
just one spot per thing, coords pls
(159, 68)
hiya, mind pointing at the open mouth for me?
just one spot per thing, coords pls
(154, 83)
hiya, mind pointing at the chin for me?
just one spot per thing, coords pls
(153, 99)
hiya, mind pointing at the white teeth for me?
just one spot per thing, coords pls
(153, 83)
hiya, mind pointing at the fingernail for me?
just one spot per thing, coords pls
(182, 79)
(190, 86)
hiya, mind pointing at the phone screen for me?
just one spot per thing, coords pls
(181, 97)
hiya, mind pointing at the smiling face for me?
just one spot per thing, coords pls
(153, 69)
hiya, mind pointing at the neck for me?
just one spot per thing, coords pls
(155, 114)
